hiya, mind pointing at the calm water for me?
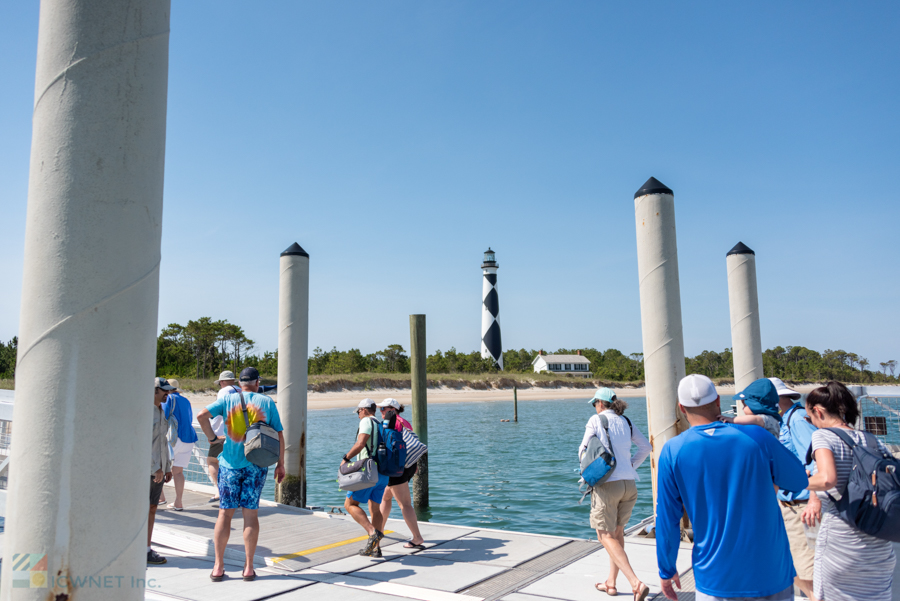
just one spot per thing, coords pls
(510, 476)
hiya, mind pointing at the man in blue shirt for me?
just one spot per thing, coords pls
(181, 439)
(796, 434)
(241, 482)
(723, 475)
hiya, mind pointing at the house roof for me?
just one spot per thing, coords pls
(562, 359)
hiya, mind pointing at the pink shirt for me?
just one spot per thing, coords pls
(401, 424)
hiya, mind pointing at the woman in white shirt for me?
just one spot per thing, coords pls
(613, 501)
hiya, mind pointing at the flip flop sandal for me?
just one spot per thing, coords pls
(218, 578)
(172, 506)
(251, 577)
(609, 590)
(641, 594)
(410, 545)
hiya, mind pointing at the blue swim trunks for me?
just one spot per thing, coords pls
(375, 493)
(241, 487)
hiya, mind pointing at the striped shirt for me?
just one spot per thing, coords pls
(850, 565)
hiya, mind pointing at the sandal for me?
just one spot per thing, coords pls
(411, 545)
(172, 506)
(218, 578)
(251, 577)
(609, 590)
(641, 594)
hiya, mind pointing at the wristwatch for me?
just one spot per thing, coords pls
(345, 459)
(212, 440)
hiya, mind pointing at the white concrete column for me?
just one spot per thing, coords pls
(743, 303)
(293, 370)
(654, 211)
(80, 462)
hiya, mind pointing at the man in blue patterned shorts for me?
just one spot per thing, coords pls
(240, 482)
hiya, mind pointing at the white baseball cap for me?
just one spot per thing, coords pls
(390, 403)
(782, 389)
(364, 404)
(696, 390)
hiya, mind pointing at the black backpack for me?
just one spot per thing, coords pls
(871, 502)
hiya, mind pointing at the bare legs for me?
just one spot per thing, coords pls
(223, 531)
(401, 493)
(151, 518)
(212, 466)
(359, 515)
(178, 479)
(614, 543)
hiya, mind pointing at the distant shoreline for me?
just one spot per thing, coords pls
(350, 398)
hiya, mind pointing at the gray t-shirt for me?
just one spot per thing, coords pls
(772, 425)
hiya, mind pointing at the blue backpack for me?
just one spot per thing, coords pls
(871, 502)
(391, 453)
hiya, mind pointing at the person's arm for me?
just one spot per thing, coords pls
(668, 524)
(203, 419)
(279, 468)
(801, 435)
(643, 448)
(361, 441)
(787, 471)
(826, 476)
(750, 420)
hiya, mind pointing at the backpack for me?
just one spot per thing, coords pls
(871, 502)
(391, 453)
(597, 463)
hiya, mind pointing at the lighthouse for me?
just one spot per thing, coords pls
(490, 311)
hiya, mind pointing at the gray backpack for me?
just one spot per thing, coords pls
(262, 447)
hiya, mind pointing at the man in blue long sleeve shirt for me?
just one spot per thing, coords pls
(723, 475)
(796, 435)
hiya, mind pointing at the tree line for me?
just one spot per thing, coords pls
(204, 347)
(8, 352)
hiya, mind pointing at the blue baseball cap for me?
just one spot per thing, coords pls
(249, 374)
(762, 398)
(603, 394)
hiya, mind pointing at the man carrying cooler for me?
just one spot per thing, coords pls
(241, 482)
(723, 476)
(796, 435)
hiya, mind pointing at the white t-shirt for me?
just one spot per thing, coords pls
(622, 437)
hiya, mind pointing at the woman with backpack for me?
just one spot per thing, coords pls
(613, 501)
(850, 565)
(398, 487)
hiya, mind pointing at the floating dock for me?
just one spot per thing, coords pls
(314, 556)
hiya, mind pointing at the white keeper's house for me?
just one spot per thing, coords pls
(564, 365)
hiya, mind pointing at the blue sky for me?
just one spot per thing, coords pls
(395, 141)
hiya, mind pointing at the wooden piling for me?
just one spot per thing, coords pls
(515, 404)
(419, 386)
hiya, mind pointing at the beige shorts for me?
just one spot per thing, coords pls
(803, 556)
(612, 504)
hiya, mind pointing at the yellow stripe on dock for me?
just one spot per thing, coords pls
(323, 548)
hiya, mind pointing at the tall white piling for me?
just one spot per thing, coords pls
(743, 303)
(293, 371)
(654, 211)
(79, 480)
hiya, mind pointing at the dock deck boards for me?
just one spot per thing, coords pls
(315, 556)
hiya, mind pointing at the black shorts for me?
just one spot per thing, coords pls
(408, 473)
(216, 448)
(155, 491)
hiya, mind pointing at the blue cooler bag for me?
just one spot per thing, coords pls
(597, 463)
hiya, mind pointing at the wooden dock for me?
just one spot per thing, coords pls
(314, 555)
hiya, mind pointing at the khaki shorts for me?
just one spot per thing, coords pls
(803, 556)
(612, 504)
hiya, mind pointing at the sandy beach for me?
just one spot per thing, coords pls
(350, 398)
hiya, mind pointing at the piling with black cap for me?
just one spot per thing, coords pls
(743, 304)
(419, 385)
(293, 371)
(663, 339)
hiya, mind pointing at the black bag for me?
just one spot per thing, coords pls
(871, 502)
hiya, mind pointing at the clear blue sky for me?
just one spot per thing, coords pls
(396, 141)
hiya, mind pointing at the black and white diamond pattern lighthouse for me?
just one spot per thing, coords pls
(491, 348)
